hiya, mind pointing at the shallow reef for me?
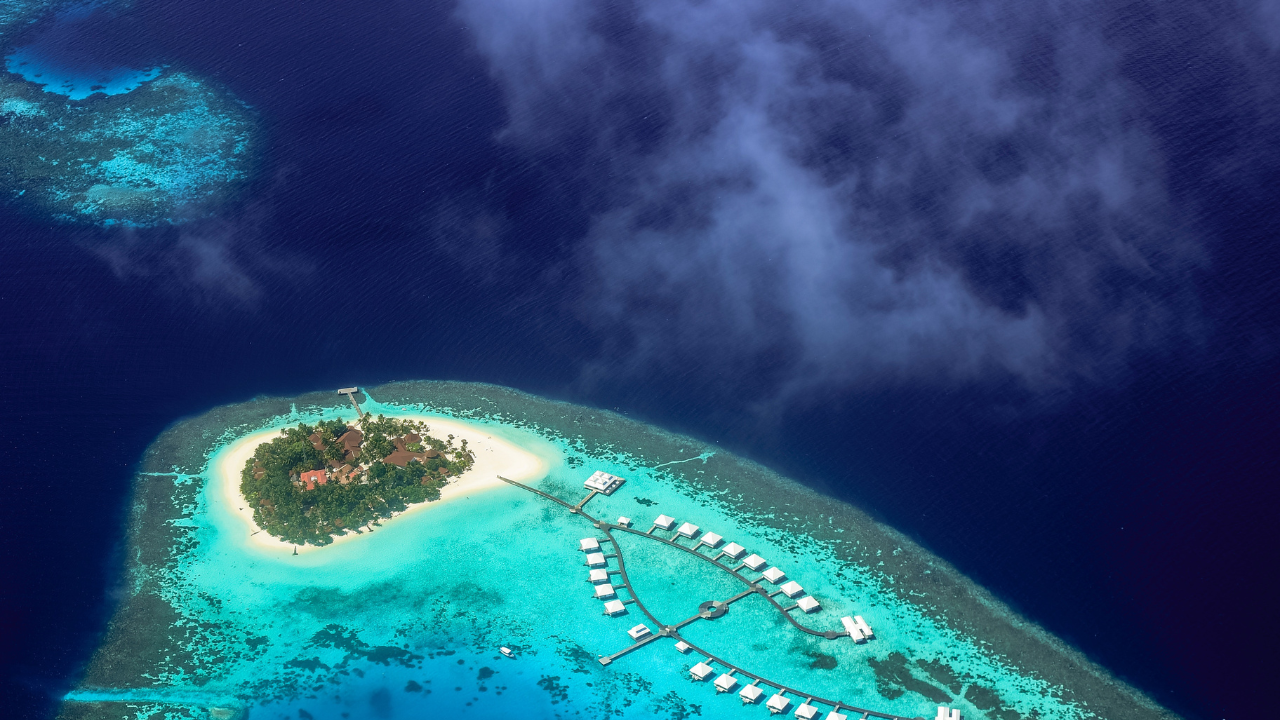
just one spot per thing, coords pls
(173, 149)
(406, 622)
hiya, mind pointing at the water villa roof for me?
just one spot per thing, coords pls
(701, 671)
(614, 607)
(833, 715)
(624, 521)
(595, 559)
(682, 646)
(599, 575)
(806, 711)
(688, 530)
(808, 604)
(755, 562)
(588, 544)
(750, 693)
(603, 482)
(792, 589)
(857, 628)
(605, 591)
(726, 682)
(734, 550)
(778, 703)
(944, 714)
(710, 539)
(666, 522)
(639, 632)
(774, 575)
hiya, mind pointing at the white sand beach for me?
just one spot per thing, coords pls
(494, 457)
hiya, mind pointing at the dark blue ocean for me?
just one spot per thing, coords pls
(394, 230)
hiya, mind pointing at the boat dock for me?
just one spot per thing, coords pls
(709, 610)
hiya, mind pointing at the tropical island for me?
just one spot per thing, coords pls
(317, 481)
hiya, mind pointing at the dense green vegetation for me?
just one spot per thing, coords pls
(361, 488)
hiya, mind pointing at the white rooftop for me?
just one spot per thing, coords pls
(866, 630)
(604, 591)
(726, 682)
(833, 715)
(711, 539)
(806, 711)
(688, 530)
(792, 589)
(778, 703)
(614, 607)
(701, 671)
(943, 714)
(665, 522)
(734, 550)
(773, 575)
(624, 521)
(588, 544)
(638, 632)
(755, 562)
(603, 482)
(595, 559)
(855, 632)
(750, 693)
(808, 604)
(599, 575)
(682, 646)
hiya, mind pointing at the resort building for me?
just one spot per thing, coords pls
(595, 559)
(750, 694)
(312, 478)
(792, 589)
(833, 715)
(864, 627)
(851, 627)
(639, 632)
(605, 591)
(614, 607)
(664, 522)
(682, 646)
(734, 550)
(944, 714)
(778, 703)
(624, 521)
(589, 545)
(701, 671)
(774, 575)
(808, 604)
(710, 539)
(806, 711)
(688, 530)
(603, 482)
(755, 562)
(599, 575)
(726, 682)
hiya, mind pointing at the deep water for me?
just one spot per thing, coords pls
(1117, 514)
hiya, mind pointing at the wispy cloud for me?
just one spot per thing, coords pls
(861, 192)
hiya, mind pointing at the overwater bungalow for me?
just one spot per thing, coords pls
(750, 694)
(595, 559)
(599, 575)
(792, 589)
(664, 522)
(726, 682)
(755, 562)
(806, 711)
(603, 482)
(808, 604)
(682, 647)
(605, 591)
(624, 521)
(688, 530)
(945, 714)
(639, 632)
(701, 671)
(734, 550)
(710, 539)
(774, 575)
(778, 703)
(614, 607)
(589, 545)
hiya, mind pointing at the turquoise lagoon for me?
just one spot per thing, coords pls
(406, 621)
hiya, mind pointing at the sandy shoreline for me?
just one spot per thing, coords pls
(493, 457)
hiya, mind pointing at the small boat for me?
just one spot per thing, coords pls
(506, 651)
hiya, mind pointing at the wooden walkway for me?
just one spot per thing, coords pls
(672, 631)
